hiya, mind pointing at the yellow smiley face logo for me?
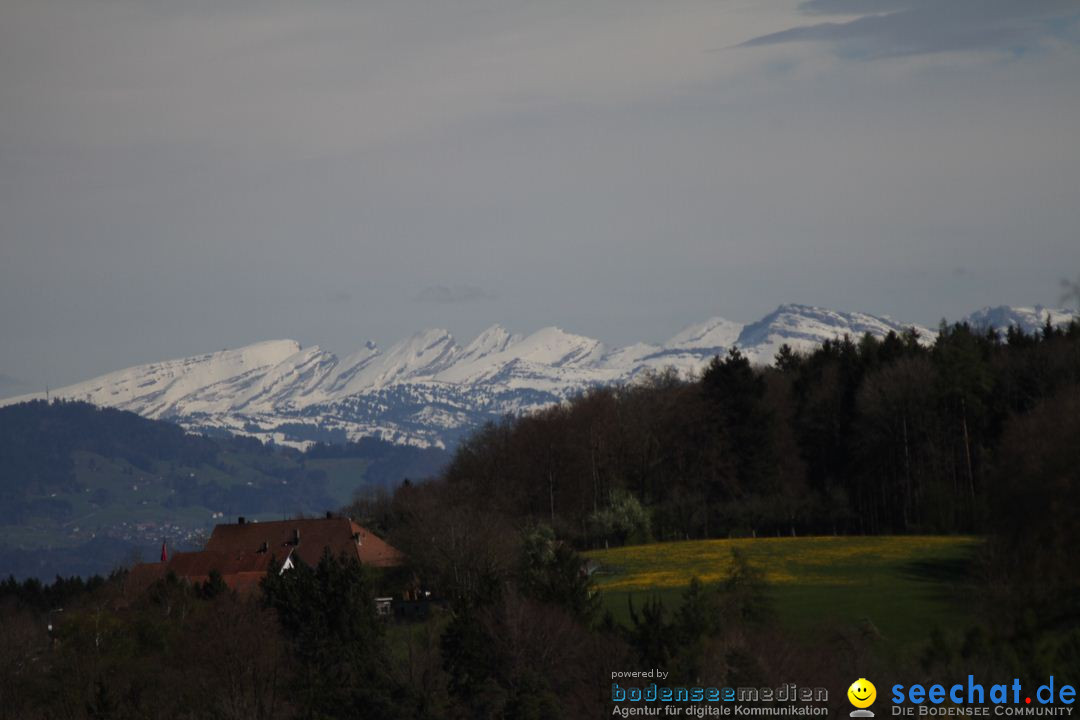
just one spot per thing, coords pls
(862, 693)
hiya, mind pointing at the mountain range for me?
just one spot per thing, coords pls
(428, 390)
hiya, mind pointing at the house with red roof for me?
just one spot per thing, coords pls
(242, 553)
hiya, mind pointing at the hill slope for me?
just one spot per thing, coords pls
(901, 586)
(72, 473)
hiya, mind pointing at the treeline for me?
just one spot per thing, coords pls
(867, 436)
(971, 433)
(974, 433)
(307, 644)
(527, 642)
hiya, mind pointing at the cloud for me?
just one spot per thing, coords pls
(457, 294)
(892, 28)
(180, 177)
(339, 297)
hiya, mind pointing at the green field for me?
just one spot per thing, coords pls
(900, 587)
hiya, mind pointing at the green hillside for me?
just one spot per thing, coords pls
(72, 473)
(898, 587)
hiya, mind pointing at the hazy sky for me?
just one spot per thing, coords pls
(181, 176)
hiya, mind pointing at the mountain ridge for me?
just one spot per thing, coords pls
(427, 390)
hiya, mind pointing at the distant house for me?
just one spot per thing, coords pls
(242, 553)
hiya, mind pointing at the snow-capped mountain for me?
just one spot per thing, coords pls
(428, 390)
(713, 333)
(804, 327)
(1028, 319)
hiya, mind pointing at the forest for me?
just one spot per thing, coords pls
(974, 433)
(861, 436)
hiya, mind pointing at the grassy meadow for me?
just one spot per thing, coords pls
(898, 586)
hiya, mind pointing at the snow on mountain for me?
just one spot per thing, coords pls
(428, 390)
(1028, 319)
(549, 354)
(157, 389)
(632, 355)
(483, 357)
(422, 355)
(493, 340)
(803, 328)
(342, 379)
(295, 377)
(713, 333)
(687, 351)
(555, 347)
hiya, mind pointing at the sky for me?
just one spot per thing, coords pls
(181, 177)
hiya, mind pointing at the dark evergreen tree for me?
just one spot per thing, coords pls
(328, 614)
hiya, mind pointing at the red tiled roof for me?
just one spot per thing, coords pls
(193, 565)
(241, 554)
(240, 571)
(339, 534)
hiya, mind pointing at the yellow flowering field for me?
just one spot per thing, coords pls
(830, 560)
(904, 585)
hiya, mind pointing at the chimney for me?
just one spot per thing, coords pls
(240, 520)
(264, 548)
(329, 515)
(296, 536)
